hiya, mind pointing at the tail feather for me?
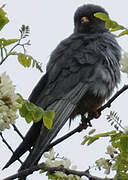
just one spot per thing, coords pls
(46, 137)
(27, 143)
(39, 137)
(63, 109)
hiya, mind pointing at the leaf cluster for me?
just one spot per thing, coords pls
(5, 51)
(120, 142)
(111, 24)
(3, 19)
(114, 120)
(28, 61)
(89, 139)
(31, 112)
(25, 31)
(118, 160)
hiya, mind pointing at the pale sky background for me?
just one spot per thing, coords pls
(51, 22)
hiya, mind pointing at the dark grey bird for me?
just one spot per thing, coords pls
(81, 74)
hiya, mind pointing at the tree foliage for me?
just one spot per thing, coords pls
(111, 24)
(27, 110)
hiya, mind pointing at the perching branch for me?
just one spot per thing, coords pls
(52, 170)
(84, 125)
(59, 140)
(118, 93)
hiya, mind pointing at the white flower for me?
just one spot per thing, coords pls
(124, 63)
(126, 129)
(66, 163)
(111, 150)
(102, 162)
(50, 154)
(52, 161)
(8, 104)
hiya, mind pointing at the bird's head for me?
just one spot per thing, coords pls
(86, 22)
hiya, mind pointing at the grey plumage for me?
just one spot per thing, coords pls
(81, 74)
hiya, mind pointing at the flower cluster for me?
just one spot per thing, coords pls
(111, 151)
(8, 104)
(53, 161)
(124, 63)
(104, 163)
(109, 163)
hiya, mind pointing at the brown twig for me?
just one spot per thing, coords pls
(18, 132)
(4, 58)
(118, 93)
(5, 142)
(52, 170)
(9, 147)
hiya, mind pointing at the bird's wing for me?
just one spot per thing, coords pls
(63, 109)
(69, 79)
(69, 72)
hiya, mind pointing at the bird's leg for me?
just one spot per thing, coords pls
(85, 120)
(87, 117)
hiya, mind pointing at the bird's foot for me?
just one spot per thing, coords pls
(85, 120)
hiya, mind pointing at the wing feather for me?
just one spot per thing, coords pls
(63, 109)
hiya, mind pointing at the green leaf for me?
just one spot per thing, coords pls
(24, 59)
(25, 31)
(101, 16)
(30, 111)
(53, 176)
(115, 139)
(124, 33)
(42, 171)
(110, 24)
(113, 25)
(38, 114)
(92, 131)
(38, 66)
(6, 42)
(86, 139)
(27, 61)
(124, 143)
(91, 139)
(48, 118)
(12, 53)
(23, 111)
(3, 19)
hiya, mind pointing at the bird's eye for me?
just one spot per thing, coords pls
(84, 19)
